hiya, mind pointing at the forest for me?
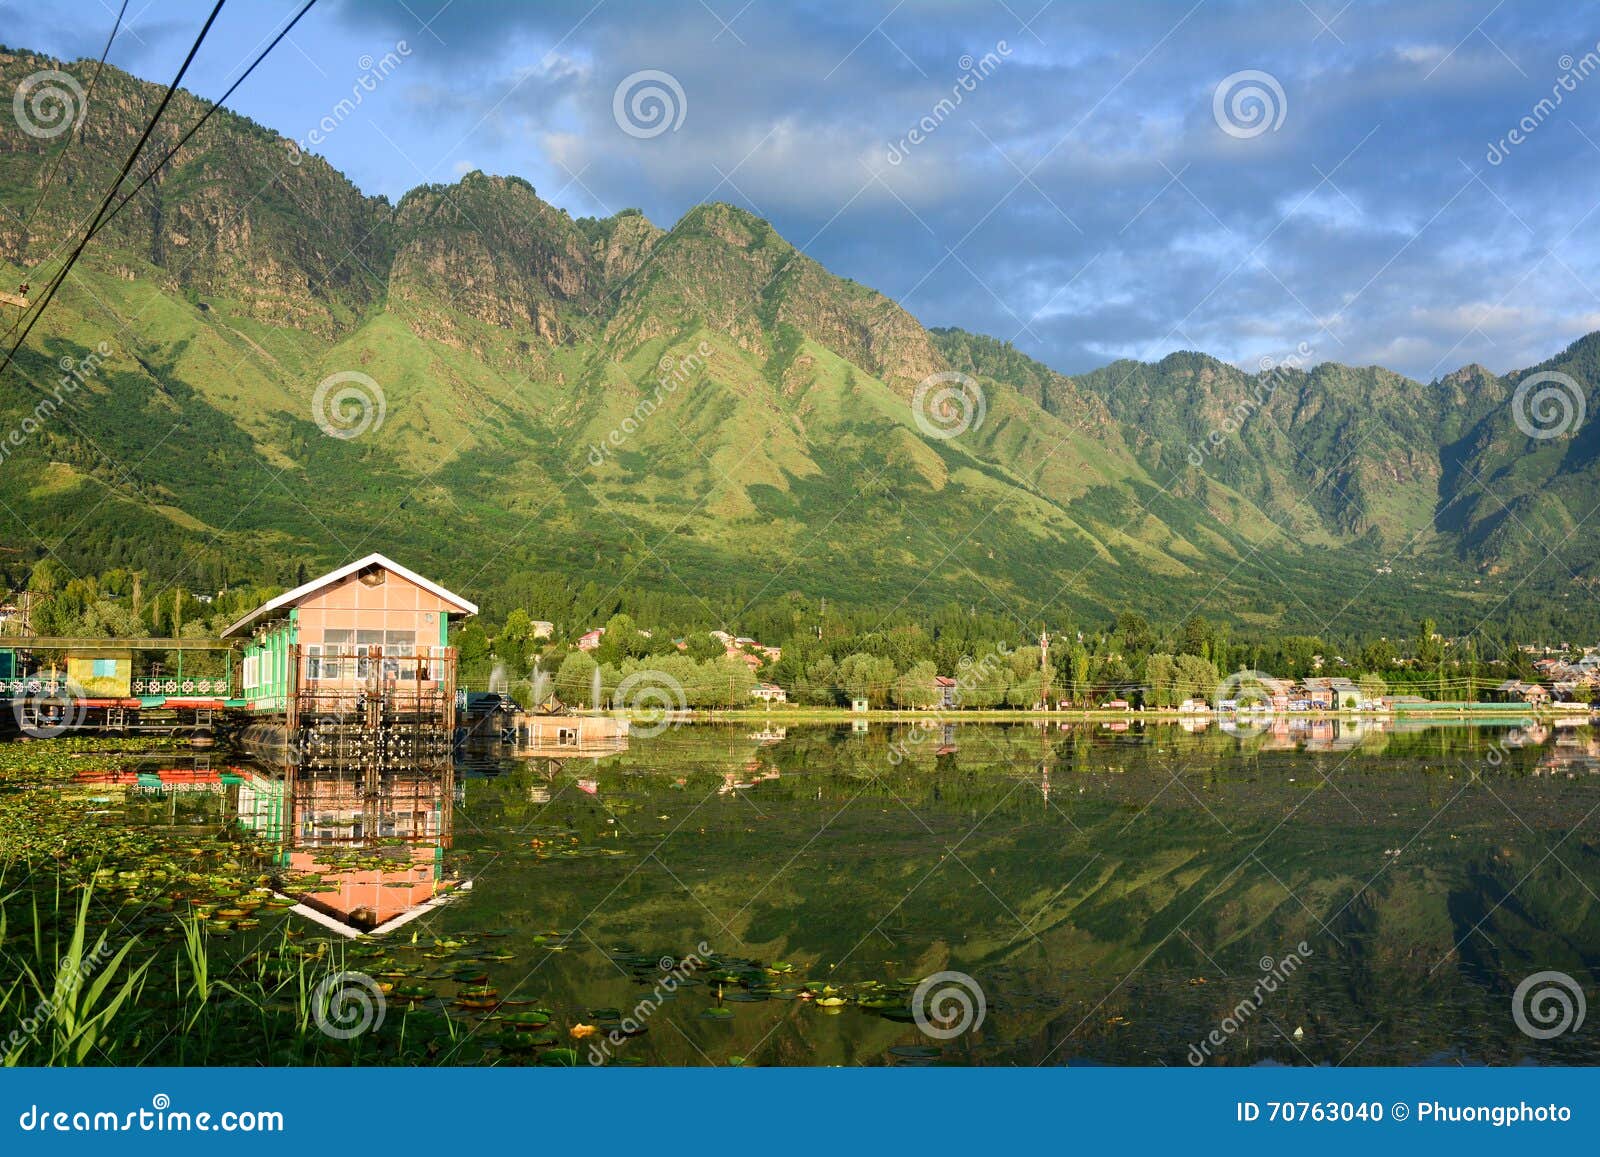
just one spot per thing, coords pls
(827, 654)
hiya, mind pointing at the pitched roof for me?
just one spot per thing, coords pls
(292, 598)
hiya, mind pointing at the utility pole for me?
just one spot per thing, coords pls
(1044, 668)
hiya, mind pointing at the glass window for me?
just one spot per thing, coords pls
(399, 646)
(336, 645)
(105, 668)
(365, 640)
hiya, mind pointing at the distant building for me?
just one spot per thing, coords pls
(944, 691)
(769, 693)
(591, 639)
(745, 648)
(1530, 693)
(542, 628)
(1278, 692)
(1331, 692)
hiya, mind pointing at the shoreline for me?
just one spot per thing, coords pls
(1508, 713)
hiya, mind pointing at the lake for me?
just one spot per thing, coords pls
(1334, 893)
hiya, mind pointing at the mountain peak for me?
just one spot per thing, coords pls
(734, 225)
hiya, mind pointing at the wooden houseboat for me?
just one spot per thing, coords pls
(352, 670)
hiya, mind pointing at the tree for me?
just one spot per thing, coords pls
(1429, 648)
(820, 687)
(867, 677)
(1378, 655)
(1080, 673)
(915, 687)
(622, 640)
(1372, 686)
(703, 645)
(511, 644)
(1197, 678)
(1134, 631)
(985, 683)
(1196, 637)
(1160, 681)
(731, 680)
(575, 679)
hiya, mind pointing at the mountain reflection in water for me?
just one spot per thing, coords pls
(1115, 894)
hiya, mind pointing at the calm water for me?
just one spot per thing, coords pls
(1115, 895)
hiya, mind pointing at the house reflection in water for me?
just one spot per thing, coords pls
(361, 854)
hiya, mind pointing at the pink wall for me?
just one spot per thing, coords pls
(396, 604)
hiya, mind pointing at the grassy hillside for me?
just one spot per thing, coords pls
(700, 410)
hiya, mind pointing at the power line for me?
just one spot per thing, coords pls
(55, 165)
(127, 166)
(156, 168)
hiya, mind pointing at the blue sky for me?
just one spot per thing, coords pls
(1090, 196)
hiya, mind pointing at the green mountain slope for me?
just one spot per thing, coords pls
(701, 410)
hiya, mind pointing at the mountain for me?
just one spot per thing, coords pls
(701, 410)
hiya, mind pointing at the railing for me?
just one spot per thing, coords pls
(39, 685)
(216, 685)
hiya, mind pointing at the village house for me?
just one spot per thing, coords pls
(1278, 692)
(1330, 692)
(945, 691)
(1531, 693)
(769, 693)
(590, 640)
